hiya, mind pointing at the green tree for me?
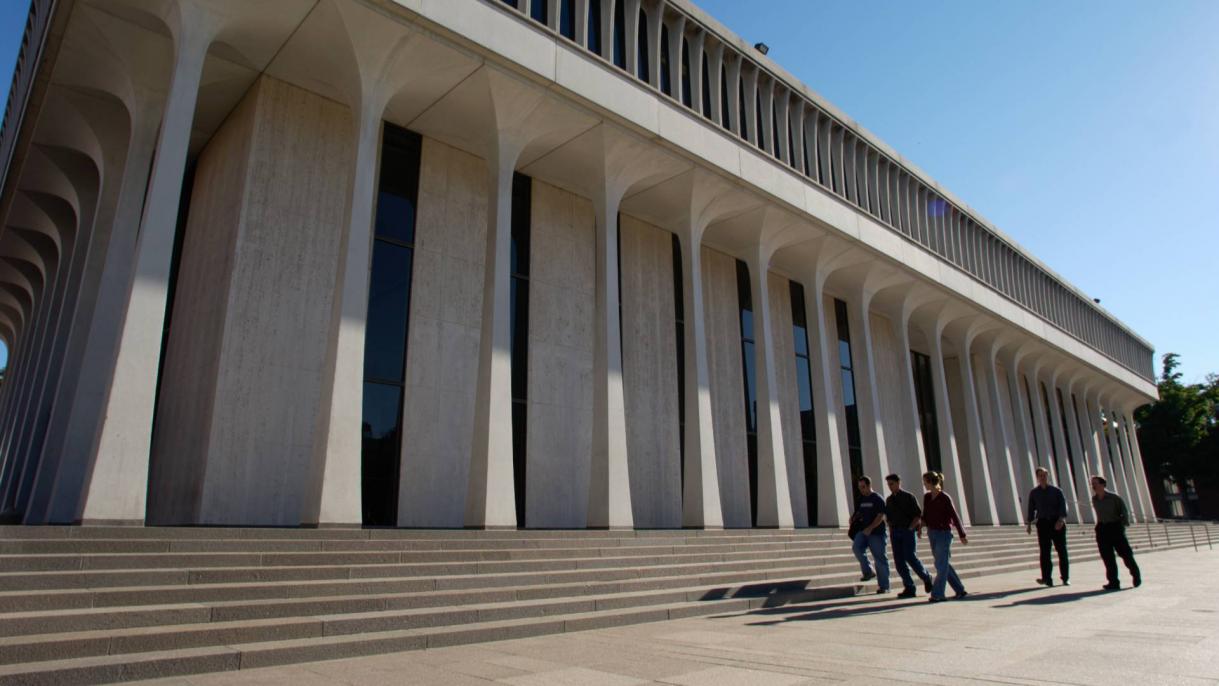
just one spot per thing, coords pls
(1179, 433)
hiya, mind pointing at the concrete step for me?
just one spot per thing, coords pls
(126, 666)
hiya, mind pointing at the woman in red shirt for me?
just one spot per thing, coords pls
(939, 516)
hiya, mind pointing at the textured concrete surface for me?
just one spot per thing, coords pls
(1009, 631)
(723, 312)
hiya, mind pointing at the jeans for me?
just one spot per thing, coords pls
(876, 543)
(1110, 539)
(904, 547)
(1047, 534)
(941, 548)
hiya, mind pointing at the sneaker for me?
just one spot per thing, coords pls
(1065, 582)
(927, 585)
(1138, 580)
(960, 595)
(867, 577)
(936, 599)
(908, 593)
(881, 591)
(1112, 587)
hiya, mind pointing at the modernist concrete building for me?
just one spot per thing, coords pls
(542, 263)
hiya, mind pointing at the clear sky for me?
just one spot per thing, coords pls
(1087, 130)
(12, 26)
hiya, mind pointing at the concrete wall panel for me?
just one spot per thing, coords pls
(649, 358)
(561, 310)
(899, 430)
(789, 398)
(727, 385)
(956, 398)
(442, 350)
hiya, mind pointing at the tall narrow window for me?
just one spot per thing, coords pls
(748, 368)
(849, 406)
(567, 19)
(774, 130)
(685, 73)
(804, 391)
(1028, 396)
(594, 26)
(666, 76)
(619, 34)
(538, 9)
(386, 326)
(1062, 412)
(741, 112)
(757, 121)
(706, 79)
(522, 198)
(1049, 423)
(679, 316)
(642, 66)
(925, 399)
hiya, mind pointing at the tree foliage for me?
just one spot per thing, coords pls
(1179, 433)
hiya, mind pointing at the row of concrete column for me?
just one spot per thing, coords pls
(78, 408)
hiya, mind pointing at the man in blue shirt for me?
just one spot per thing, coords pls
(868, 523)
(1048, 509)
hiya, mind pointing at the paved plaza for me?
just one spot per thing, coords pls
(1009, 631)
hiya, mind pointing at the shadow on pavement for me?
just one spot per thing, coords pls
(1057, 598)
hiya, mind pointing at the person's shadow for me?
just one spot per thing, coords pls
(1057, 598)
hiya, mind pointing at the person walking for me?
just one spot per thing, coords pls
(903, 515)
(868, 525)
(1048, 510)
(1112, 518)
(940, 516)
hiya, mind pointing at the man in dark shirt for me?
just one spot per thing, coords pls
(903, 514)
(1048, 509)
(868, 522)
(1112, 517)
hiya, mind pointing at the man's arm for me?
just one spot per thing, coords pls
(1123, 515)
(917, 520)
(880, 518)
(1062, 510)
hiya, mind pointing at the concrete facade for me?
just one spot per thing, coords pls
(189, 205)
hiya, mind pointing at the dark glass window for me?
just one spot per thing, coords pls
(1049, 423)
(1062, 411)
(642, 65)
(774, 130)
(757, 111)
(804, 387)
(685, 73)
(522, 215)
(619, 34)
(741, 104)
(706, 79)
(748, 365)
(666, 78)
(594, 26)
(539, 10)
(679, 315)
(851, 409)
(387, 325)
(567, 19)
(924, 394)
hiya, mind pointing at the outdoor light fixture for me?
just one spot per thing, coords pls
(761, 47)
(1096, 300)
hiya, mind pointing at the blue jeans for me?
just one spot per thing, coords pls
(941, 545)
(875, 543)
(904, 556)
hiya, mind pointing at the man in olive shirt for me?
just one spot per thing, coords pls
(1112, 517)
(903, 513)
(1048, 508)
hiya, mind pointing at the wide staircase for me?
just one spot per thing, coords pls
(105, 604)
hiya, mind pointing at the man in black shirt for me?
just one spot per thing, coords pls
(903, 513)
(868, 523)
(1048, 508)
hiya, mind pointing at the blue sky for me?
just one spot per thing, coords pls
(1086, 130)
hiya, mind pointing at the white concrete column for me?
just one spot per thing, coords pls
(797, 124)
(1087, 427)
(701, 506)
(985, 509)
(609, 495)
(769, 137)
(607, 30)
(581, 21)
(630, 25)
(950, 457)
(1121, 455)
(1136, 454)
(695, 43)
(1002, 473)
(1044, 439)
(734, 97)
(1079, 458)
(676, 27)
(1068, 473)
(774, 496)
(120, 474)
(781, 102)
(1110, 453)
(833, 500)
(914, 463)
(1024, 457)
(715, 62)
(867, 394)
(655, 12)
(750, 114)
